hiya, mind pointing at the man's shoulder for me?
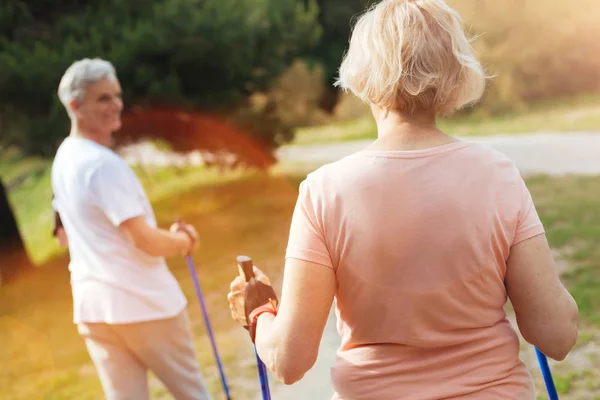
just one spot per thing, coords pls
(109, 158)
(88, 161)
(109, 166)
(81, 150)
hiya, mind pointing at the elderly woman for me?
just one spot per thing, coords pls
(420, 237)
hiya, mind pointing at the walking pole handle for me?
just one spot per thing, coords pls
(245, 267)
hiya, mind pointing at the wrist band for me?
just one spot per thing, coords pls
(257, 312)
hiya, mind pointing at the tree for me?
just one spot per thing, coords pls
(14, 255)
(335, 16)
(179, 53)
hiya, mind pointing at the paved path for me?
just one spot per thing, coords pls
(550, 153)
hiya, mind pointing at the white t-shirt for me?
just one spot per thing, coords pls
(112, 281)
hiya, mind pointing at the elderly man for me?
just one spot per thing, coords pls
(128, 306)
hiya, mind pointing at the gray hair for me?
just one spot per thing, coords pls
(80, 75)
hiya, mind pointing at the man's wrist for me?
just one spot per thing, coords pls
(184, 241)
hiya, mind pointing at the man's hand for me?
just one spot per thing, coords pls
(61, 237)
(190, 234)
(59, 231)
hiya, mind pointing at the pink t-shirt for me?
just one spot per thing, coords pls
(419, 241)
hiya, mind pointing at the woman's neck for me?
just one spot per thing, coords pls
(397, 131)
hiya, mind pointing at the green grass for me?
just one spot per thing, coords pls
(569, 383)
(576, 114)
(570, 210)
(563, 383)
(585, 338)
(13, 167)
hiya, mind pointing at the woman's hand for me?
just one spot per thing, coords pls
(237, 293)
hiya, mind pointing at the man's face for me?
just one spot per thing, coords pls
(100, 110)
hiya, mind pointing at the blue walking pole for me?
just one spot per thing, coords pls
(192, 268)
(547, 374)
(261, 291)
(263, 377)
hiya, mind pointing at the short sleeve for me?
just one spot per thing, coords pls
(528, 223)
(307, 240)
(115, 190)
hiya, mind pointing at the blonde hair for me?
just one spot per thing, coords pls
(412, 55)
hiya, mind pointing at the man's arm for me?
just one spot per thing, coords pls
(159, 242)
(114, 190)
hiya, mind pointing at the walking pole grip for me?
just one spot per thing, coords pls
(257, 293)
(245, 267)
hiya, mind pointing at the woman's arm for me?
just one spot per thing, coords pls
(546, 312)
(289, 343)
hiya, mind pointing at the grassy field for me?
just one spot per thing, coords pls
(577, 114)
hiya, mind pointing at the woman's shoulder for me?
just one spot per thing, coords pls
(485, 151)
(471, 161)
(328, 174)
(487, 159)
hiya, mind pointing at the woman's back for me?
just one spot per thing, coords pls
(420, 247)
(419, 242)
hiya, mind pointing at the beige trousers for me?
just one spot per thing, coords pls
(123, 353)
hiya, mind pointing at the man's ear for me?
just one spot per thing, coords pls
(73, 105)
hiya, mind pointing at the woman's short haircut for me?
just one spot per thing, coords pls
(411, 56)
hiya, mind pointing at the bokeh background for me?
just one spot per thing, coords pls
(229, 104)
